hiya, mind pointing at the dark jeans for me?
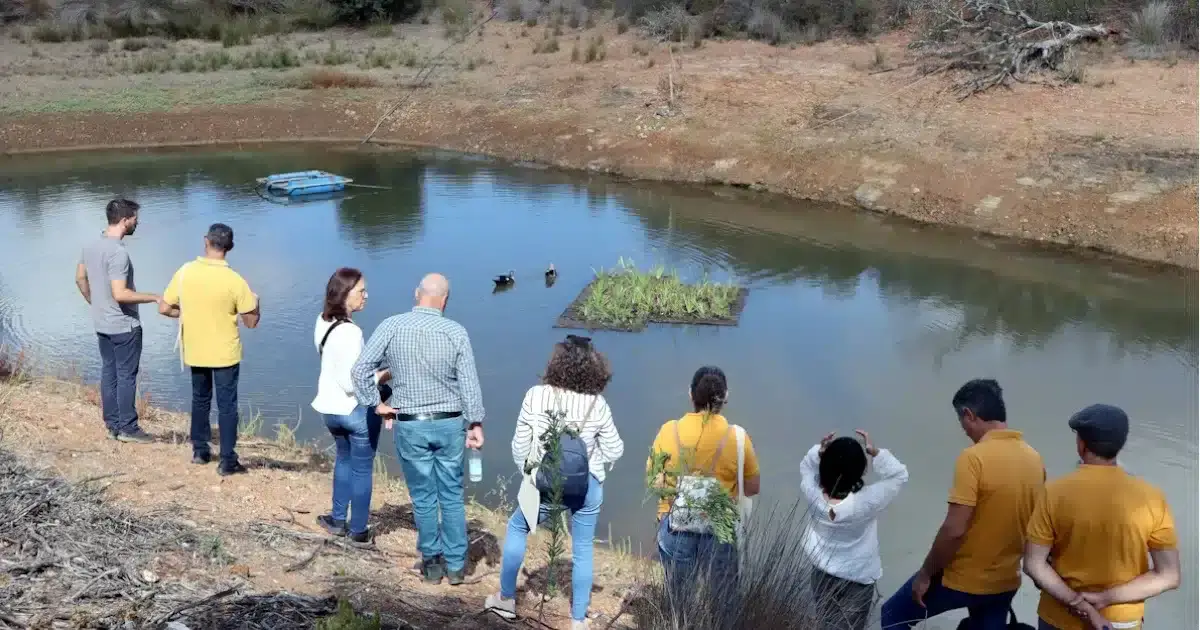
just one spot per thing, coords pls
(225, 382)
(987, 612)
(843, 605)
(356, 437)
(120, 356)
(697, 567)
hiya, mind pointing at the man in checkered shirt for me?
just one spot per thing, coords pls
(437, 409)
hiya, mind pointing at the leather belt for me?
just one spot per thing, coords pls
(441, 415)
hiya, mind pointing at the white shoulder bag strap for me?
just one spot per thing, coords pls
(179, 327)
(744, 503)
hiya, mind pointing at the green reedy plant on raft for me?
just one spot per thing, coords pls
(719, 507)
(626, 297)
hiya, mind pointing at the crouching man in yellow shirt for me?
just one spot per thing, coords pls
(1090, 533)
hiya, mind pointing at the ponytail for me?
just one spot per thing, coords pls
(709, 389)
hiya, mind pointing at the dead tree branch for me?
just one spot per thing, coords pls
(994, 43)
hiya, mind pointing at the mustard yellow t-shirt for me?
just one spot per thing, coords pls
(1001, 477)
(701, 435)
(210, 297)
(1100, 523)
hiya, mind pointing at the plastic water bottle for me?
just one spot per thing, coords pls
(475, 465)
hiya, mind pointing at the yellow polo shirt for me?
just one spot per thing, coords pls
(1001, 477)
(210, 296)
(1099, 523)
(704, 435)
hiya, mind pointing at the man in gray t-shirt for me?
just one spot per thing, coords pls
(105, 279)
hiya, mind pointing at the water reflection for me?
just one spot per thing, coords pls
(852, 320)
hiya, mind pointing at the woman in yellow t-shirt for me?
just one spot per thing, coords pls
(701, 450)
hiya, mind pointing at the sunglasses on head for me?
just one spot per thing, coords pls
(583, 342)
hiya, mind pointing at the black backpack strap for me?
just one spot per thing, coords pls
(321, 346)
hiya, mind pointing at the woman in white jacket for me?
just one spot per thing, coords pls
(842, 545)
(355, 428)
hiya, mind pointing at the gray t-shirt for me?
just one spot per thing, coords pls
(106, 260)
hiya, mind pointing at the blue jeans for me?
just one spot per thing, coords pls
(689, 558)
(583, 535)
(356, 437)
(225, 382)
(987, 612)
(120, 356)
(431, 456)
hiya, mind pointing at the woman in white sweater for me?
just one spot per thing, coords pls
(355, 428)
(574, 380)
(842, 544)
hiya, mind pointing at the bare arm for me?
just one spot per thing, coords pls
(949, 538)
(251, 319)
(81, 281)
(1162, 577)
(1037, 567)
(125, 295)
(753, 486)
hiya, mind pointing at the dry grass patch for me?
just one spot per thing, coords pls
(327, 78)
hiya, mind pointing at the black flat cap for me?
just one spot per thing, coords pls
(1101, 425)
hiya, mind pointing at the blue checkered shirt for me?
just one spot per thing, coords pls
(432, 365)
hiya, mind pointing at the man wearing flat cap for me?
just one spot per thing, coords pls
(1092, 530)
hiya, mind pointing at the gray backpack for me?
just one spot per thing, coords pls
(573, 465)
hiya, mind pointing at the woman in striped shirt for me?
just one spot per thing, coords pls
(574, 379)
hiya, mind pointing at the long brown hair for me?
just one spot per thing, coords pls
(340, 284)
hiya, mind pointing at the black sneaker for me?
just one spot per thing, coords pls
(137, 436)
(432, 570)
(200, 459)
(332, 525)
(456, 577)
(235, 468)
(364, 539)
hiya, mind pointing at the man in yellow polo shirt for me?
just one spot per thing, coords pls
(208, 297)
(1098, 524)
(975, 560)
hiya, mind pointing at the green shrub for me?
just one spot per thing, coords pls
(346, 619)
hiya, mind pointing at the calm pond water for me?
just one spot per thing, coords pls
(852, 321)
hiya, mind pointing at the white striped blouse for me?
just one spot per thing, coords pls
(598, 432)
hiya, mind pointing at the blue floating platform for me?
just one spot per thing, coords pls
(304, 183)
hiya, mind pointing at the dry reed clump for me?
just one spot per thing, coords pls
(326, 78)
(772, 589)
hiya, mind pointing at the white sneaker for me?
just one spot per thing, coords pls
(506, 608)
(579, 625)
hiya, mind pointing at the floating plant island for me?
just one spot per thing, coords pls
(626, 299)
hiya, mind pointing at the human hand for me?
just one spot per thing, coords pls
(920, 586)
(475, 436)
(826, 440)
(384, 411)
(870, 448)
(384, 375)
(1099, 601)
(1090, 614)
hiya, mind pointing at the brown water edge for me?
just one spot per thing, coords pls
(1102, 255)
(898, 181)
(265, 519)
(572, 318)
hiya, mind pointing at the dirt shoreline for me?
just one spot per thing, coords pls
(263, 522)
(1108, 165)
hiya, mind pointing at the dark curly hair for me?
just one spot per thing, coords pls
(575, 365)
